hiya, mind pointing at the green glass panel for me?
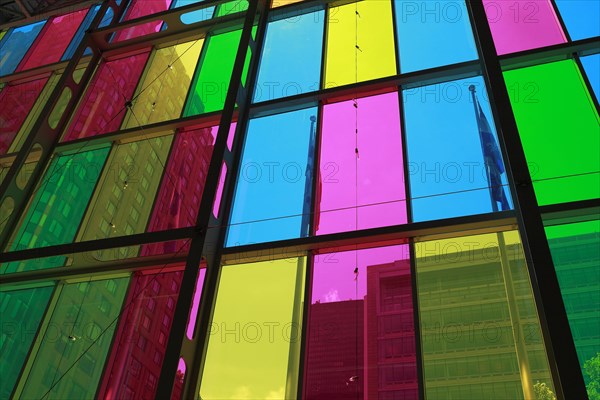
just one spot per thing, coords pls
(576, 254)
(22, 312)
(211, 82)
(560, 130)
(123, 200)
(68, 360)
(481, 337)
(232, 7)
(58, 206)
(253, 352)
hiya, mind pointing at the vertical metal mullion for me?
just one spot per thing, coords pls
(209, 240)
(558, 341)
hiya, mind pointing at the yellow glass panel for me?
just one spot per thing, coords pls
(481, 336)
(123, 200)
(162, 90)
(253, 351)
(374, 33)
(2, 34)
(281, 3)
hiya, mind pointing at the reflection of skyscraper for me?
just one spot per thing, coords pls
(365, 349)
(182, 186)
(134, 365)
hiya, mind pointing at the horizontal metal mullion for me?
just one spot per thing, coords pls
(557, 52)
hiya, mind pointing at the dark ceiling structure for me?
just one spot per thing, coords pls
(23, 10)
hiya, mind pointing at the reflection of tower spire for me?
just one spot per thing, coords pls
(310, 165)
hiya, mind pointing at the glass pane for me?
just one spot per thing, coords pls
(576, 254)
(103, 106)
(162, 91)
(85, 25)
(211, 81)
(433, 34)
(15, 44)
(53, 41)
(578, 16)
(273, 180)
(365, 189)
(559, 128)
(231, 7)
(135, 362)
(75, 342)
(374, 35)
(455, 165)
(138, 9)
(591, 65)
(22, 312)
(123, 199)
(520, 25)
(180, 193)
(481, 337)
(17, 100)
(291, 57)
(58, 206)
(253, 351)
(361, 336)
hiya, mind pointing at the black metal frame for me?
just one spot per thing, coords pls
(207, 237)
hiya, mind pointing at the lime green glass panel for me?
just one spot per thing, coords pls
(481, 337)
(211, 82)
(560, 130)
(123, 200)
(253, 351)
(22, 312)
(57, 207)
(576, 254)
(162, 91)
(67, 361)
(374, 29)
(2, 33)
(232, 7)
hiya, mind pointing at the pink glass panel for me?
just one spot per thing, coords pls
(195, 304)
(138, 9)
(178, 200)
(361, 338)
(134, 365)
(179, 379)
(373, 179)
(519, 25)
(223, 174)
(103, 106)
(16, 101)
(53, 41)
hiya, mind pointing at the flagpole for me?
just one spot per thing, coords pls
(513, 310)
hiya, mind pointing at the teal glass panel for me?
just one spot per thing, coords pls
(273, 179)
(22, 312)
(15, 44)
(447, 158)
(576, 254)
(73, 347)
(591, 65)
(580, 17)
(57, 207)
(291, 57)
(433, 33)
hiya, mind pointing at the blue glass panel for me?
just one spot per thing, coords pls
(85, 25)
(580, 17)
(433, 33)
(291, 57)
(271, 183)
(447, 173)
(15, 45)
(591, 65)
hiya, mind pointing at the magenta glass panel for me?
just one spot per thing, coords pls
(179, 197)
(15, 103)
(134, 365)
(223, 173)
(179, 378)
(53, 40)
(138, 9)
(189, 332)
(103, 106)
(373, 178)
(361, 338)
(519, 25)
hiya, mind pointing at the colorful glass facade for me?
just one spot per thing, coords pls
(381, 199)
